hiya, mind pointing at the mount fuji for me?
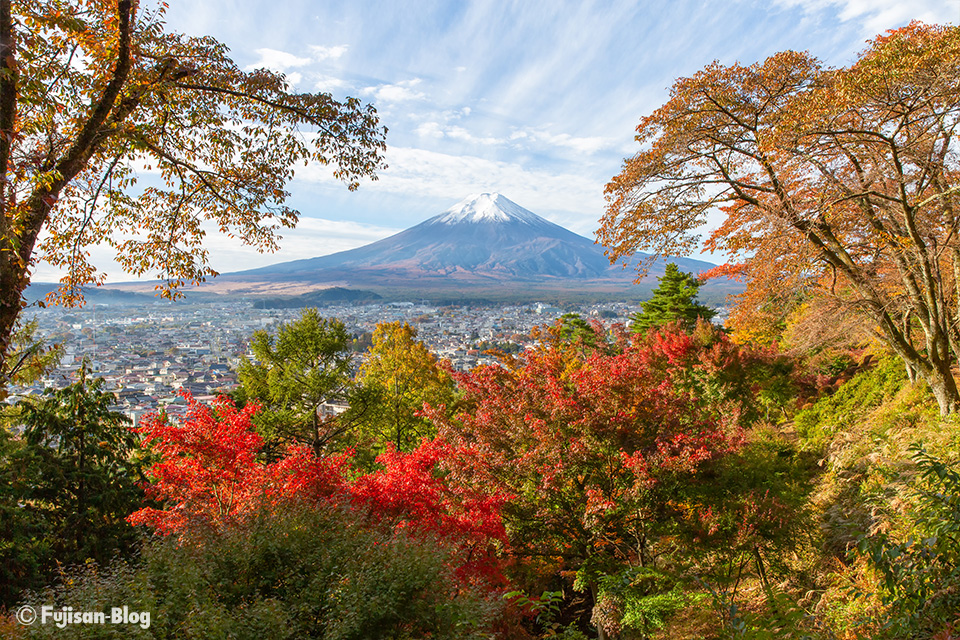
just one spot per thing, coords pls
(485, 240)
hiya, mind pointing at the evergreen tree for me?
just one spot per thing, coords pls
(674, 299)
(305, 365)
(575, 330)
(70, 474)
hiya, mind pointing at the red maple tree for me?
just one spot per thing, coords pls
(593, 440)
(209, 476)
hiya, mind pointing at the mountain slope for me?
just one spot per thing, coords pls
(484, 238)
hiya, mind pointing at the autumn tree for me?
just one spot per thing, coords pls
(674, 300)
(305, 365)
(594, 447)
(207, 474)
(833, 182)
(402, 375)
(298, 544)
(96, 94)
(210, 475)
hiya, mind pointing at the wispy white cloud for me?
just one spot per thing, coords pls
(576, 198)
(526, 139)
(430, 130)
(877, 16)
(588, 144)
(319, 52)
(455, 132)
(327, 83)
(312, 237)
(277, 60)
(402, 91)
(282, 61)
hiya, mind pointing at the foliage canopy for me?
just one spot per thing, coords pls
(401, 374)
(118, 132)
(834, 182)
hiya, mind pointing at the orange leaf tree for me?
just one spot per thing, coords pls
(833, 182)
(93, 93)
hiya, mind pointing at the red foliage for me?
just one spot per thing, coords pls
(413, 493)
(209, 476)
(586, 442)
(208, 473)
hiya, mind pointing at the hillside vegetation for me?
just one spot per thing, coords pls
(793, 474)
(662, 483)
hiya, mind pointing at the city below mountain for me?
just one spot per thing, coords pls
(485, 243)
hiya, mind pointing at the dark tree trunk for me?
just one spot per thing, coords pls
(594, 594)
(21, 223)
(10, 286)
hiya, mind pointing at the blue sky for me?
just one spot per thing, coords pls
(535, 99)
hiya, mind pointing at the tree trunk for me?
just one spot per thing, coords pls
(317, 443)
(936, 372)
(601, 632)
(11, 287)
(944, 387)
(931, 363)
(12, 284)
(911, 372)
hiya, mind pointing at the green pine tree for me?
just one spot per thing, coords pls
(674, 299)
(294, 372)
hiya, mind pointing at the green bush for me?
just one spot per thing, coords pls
(302, 573)
(920, 571)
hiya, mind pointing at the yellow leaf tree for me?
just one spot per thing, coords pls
(401, 375)
(94, 94)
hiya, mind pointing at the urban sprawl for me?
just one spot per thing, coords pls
(147, 355)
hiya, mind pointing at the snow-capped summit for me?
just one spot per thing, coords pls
(486, 207)
(483, 240)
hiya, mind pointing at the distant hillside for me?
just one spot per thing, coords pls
(321, 298)
(38, 291)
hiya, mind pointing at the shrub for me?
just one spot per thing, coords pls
(920, 572)
(295, 572)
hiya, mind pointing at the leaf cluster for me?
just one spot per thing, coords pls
(70, 474)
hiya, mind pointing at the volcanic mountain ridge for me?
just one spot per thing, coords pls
(484, 240)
